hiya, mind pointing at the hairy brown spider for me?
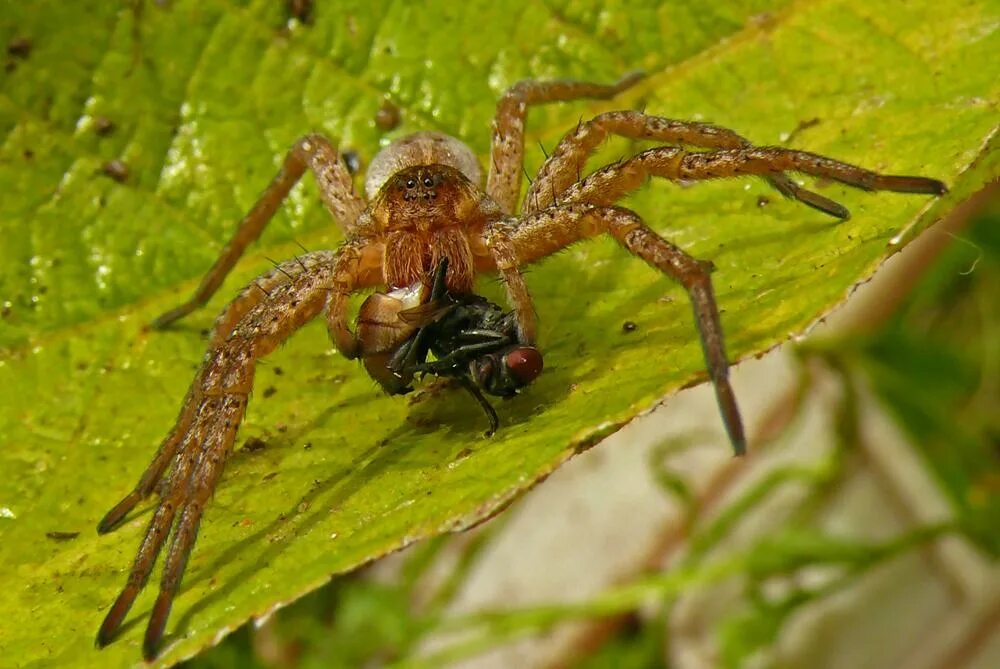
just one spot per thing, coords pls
(425, 204)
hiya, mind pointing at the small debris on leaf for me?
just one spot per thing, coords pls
(62, 536)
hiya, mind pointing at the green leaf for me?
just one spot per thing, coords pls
(205, 97)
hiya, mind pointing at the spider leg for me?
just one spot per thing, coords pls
(508, 264)
(206, 428)
(215, 449)
(507, 153)
(562, 168)
(248, 299)
(552, 229)
(313, 152)
(154, 472)
(611, 183)
(171, 497)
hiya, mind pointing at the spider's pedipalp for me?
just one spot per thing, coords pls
(507, 152)
(563, 167)
(336, 188)
(550, 230)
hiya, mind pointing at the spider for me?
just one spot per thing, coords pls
(426, 204)
(473, 340)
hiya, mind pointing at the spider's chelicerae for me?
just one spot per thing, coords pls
(426, 203)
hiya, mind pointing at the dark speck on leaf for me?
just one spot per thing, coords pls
(269, 391)
(116, 169)
(278, 371)
(103, 126)
(300, 10)
(62, 536)
(629, 326)
(387, 116)
(19, 47)
(763, 201)
(254, 444)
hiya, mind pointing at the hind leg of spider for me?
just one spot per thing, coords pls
(171, 497)
(611, 183)
(154, 472)
(249, 298)
(313, 152)
(563, 167)
(201, 485)
(507, 152)
(555, 228)
(218, 397)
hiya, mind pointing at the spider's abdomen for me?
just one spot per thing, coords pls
(422, 148)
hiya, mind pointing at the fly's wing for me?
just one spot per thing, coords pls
(425, 314)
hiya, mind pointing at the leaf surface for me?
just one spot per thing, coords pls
(203, 100)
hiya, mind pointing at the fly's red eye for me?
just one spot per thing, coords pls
(525, 363)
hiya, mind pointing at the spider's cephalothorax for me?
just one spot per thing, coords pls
(427, 213)
(427, 203)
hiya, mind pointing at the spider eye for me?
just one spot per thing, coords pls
(428, 182)
(411, 183)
